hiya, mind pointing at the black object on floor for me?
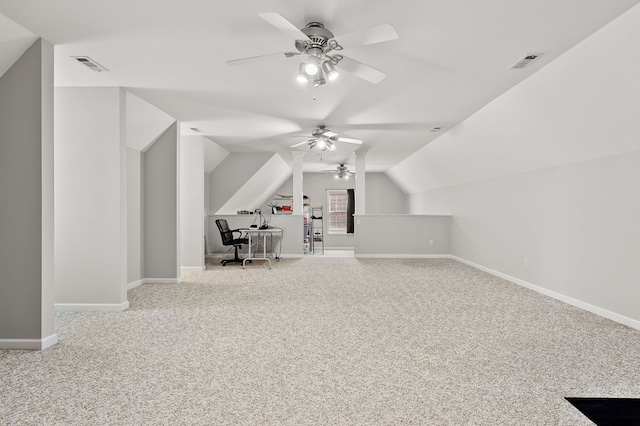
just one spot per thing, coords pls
(609, 411)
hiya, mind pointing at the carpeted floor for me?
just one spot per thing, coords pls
(324, 341)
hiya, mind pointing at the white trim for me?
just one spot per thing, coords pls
(92, 307)
(401, 256)
(339, 248)
(29, 344)
(630, 322)
(134, 284)
(160, 281)
(184, 269)
(291, 256)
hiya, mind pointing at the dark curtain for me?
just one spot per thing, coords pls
(351, 209)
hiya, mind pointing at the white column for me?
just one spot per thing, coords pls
(297, 182)
(191, 203)
(90, 199)
(360, 181)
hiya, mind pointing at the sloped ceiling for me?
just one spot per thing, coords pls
(451, 59)
(214, 154)
(257, 190)
(145, 122)
(14, 41)
(582, 106)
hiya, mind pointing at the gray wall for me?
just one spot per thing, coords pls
(402, 236)
(26, 210)
(160, 207)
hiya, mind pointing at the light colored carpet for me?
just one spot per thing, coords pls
(324, 341)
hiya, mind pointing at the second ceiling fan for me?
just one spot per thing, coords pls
(319, 45)
(324, 139)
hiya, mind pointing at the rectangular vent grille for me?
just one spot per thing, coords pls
(90, 63)
(524, 61)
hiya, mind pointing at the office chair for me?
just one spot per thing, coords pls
(227, 239)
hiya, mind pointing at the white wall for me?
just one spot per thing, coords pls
(192, 206)
(90, 203)
(576, 225)
(549, 172)
(134, 216)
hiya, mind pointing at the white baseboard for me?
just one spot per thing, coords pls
(630, 322)
(134, 284)
(92, 307)
(160, 281)
(339, 248)
(292, 256)
(184, 269)
(138, 283)
(29, 344)
(401, 256)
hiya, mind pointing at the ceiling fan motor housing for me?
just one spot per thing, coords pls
(318, 35)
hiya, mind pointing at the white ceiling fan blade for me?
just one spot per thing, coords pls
(301, 143)
(361, 70)
(329, 134)
(261, 58)
(377, 34)
(349, 140)
(281, 23)
(331, 147)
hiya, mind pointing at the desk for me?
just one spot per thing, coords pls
(257, 233)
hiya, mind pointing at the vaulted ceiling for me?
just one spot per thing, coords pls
(451, 59)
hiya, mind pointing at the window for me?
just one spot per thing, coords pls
(337, 200)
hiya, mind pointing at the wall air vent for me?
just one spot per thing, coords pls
(524, 61)
(90, 63)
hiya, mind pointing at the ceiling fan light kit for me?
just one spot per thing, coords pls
(324, 140)
(318, 44)
(340, 172)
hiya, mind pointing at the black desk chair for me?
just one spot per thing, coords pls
(227, 239)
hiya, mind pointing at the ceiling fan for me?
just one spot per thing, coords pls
(341, 172)
(319, 45)
(324, 139)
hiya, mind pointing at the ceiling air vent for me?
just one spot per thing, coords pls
(524, 61)
(90, 63)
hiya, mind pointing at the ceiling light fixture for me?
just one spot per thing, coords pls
(312, 66)
(330, 71)
(319, 79)
(318, 63)
(302, 76)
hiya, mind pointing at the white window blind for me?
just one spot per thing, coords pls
(337, 200)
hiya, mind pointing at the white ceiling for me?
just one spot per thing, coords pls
(450, 60)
